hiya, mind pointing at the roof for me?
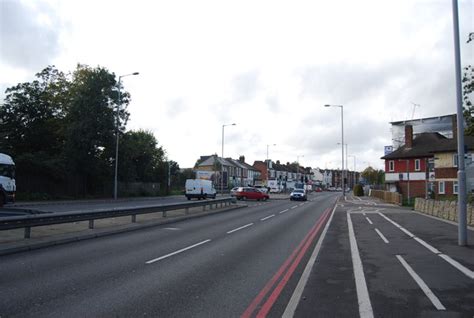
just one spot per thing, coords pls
(210, 161)
(451, 145)
(423, 145)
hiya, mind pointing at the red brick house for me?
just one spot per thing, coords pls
(407, 169)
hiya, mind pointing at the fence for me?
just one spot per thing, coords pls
(387, 196)
(447, 210)
(29, 221)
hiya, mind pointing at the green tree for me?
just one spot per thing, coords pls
(468, 89)
(91, 123)
(31, 123)
(140, 158)
(373, 176)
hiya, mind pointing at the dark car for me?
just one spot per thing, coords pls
(298, 194)
(244, 193)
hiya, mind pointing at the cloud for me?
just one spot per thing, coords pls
(176, 107)
(29, 34)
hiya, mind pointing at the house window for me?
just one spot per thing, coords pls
(441, 189)
(455, 187)
(391, 165)
(455, 160)
(417, 165)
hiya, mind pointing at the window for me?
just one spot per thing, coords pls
(441, 189)
(455, 187)
(417, 165)
(391, 165)
(455, 160)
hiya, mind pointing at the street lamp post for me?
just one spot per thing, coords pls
(119, 102)
(222, 163)
(462, 197)
(268, 162)
(342, 143)
(346, 171)
(355, 173)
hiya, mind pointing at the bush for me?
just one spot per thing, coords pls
(358, 190)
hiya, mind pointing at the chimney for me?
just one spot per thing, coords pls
(455, 127)
(408, 136)
(242, 159)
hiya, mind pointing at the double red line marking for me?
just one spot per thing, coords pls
(289, 266)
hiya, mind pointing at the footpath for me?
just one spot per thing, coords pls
(383, 260)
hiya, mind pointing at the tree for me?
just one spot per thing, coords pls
(31, 123)
(373, 176)
(468, 89)
(140, 158)
(91, 124)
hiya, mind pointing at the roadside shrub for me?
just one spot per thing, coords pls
(358, 190)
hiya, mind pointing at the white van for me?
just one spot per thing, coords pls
(200, 189)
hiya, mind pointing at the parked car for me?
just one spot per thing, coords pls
(244, 193)
(233, 190)
(200, 189)
(298, 194)
(262, 189)
(318, 189)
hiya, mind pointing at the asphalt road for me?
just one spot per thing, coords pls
(240, 263)
(275, 259)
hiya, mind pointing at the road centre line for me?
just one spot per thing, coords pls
(285, 210)
(240, 228)
(267, 217)
(434, 300)
(296, 297)
(381, 236)
(294, 207)
(466, 271)
(177, 252)
(368, 220)
(365, 306)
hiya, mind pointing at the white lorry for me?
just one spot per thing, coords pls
(7, 179)
(200, 189)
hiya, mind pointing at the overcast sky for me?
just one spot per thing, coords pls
(268, 66)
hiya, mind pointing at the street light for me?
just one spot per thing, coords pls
(268, 162)
(117, 132)
(346, 171)
(462, 195)
(342, 142)
(222, 163)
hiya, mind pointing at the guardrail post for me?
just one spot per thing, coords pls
(134, 218)
(27, 232)
(91, 224)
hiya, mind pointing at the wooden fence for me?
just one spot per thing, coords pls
(387, 196)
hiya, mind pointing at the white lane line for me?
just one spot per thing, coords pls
(296, 297)
(177, 252)
(460, 267)
(267, 217)
(294, 207)
(365, 307)
(363, 213)
(368, 220)
(172, 228)
(240, 228)
(285, 210)
(381, 236)
(466, 271)
(428, 246)
(434, 300)
(301, 204)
